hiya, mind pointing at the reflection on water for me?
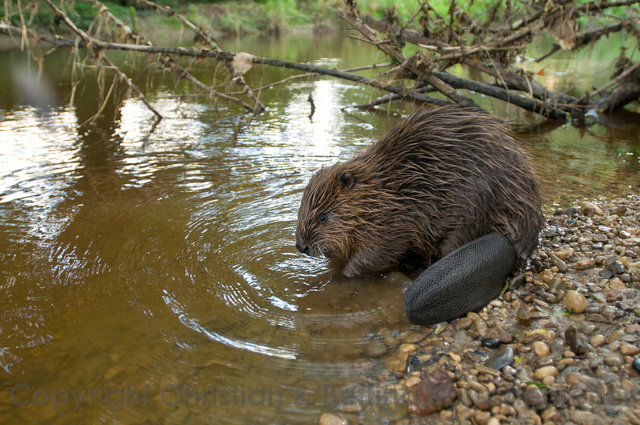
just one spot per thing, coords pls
(157, 264)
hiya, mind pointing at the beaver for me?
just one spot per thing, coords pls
(450, 185)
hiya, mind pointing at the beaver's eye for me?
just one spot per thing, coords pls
(322, 218)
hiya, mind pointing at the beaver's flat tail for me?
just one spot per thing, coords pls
(465, 280)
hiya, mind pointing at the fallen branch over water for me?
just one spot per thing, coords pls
(493, 51)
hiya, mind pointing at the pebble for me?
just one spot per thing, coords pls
(561, 265)
(464, 323)
(480, 400)
(488, 370)
(577, 340)
(636, 365)
(546, 275)
(375, 349)
(540, 348)
(545, 371)
(535, 398)
(481, 327)
(412, 381)
(598, 340)
(501, 358)
(331, 419)
(550, 415)
(565, 254)
(616, 284)
(398, 364)
(612, 361)
(585, 418)
(616, 267)
(589, 209)
(575, 302)
(523, 316)
(414, 338)
(481, 418)
(500, 334)
(629, 349)
(587, 328)
(434, 393)
(491, 343)
(409, 348)
(620, 210)
(585, 264)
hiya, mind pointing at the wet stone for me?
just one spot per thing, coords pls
(500, 334)
(599, 237)
(585, 264)
(501, 358)
(414, 338)
(627, 349)
(585, 418)
(409, 348)
(434, 393)
(481, 327)
(331, 419)
(592, 308)
(612, 361)
(482, 418)
(587, 328)
(523, 316)
(565, 254)
(398, 365)
(589, 209)
(375, 349)
(557, 284)
(620, 210)
(491, 343)
(617, 284)
(616, 267)
(480, 400)
(546, 371)
(598, 340)
(636, 365)
(535, 397)
(561, 265)
(577, 341)
(546, 275)
(540, 348)
(575, 302)
(464, 323)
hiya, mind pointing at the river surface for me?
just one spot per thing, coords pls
(148, 274)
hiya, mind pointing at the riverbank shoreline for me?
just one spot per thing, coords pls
(561, 345)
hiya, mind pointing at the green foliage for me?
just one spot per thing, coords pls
(82, 13)
(248, 16)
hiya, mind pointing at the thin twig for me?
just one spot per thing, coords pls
(615, 81)
(89, 42)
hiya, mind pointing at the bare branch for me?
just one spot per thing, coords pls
(90, 42)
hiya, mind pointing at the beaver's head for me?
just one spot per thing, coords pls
(348, 213)
(328, 214)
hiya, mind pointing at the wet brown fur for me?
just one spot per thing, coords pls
(437, 181)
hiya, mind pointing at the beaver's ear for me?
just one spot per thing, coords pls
(346, 180)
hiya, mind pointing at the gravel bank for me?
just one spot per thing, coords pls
(561, 346)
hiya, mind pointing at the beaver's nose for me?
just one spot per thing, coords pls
(302, 248)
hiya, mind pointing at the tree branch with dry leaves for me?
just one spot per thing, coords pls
(490, 48)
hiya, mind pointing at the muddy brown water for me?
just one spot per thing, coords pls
(149, 274)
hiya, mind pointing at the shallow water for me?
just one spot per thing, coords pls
(149, 273)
